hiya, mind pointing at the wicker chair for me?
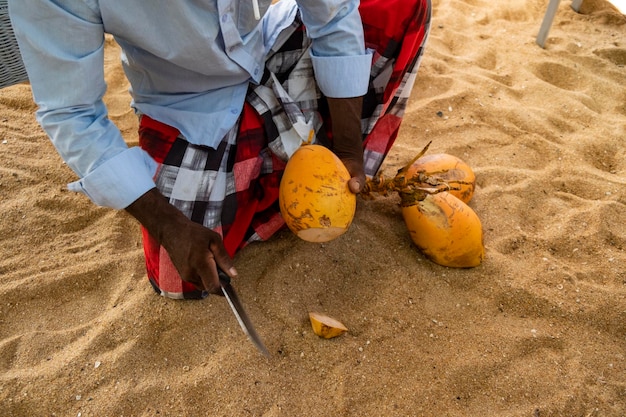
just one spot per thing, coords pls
(11, 66)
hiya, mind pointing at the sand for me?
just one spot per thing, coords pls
(539, 329)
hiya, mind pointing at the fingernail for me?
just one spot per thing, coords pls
(233, 272)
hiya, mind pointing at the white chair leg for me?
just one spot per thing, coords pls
(553, 6)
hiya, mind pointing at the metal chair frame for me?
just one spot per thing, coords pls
(548, 18)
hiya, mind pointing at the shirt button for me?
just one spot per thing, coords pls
(256, 71)
(224, 18)
(234, 111)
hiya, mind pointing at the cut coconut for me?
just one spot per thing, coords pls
(326, 327)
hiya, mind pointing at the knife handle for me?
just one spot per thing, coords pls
(224, 279)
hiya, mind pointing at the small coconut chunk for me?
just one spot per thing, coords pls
(326, 327)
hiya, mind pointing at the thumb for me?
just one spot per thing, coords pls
(356, 184)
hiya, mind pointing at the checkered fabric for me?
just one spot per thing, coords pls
(234, 189)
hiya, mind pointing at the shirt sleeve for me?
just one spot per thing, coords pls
(341, 63)
(62, 45)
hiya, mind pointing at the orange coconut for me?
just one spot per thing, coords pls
(446, 230)
(448, 169)
(314, 197)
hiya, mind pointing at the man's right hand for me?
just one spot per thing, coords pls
(195, 251)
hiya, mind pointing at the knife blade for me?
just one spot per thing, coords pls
(240, 313)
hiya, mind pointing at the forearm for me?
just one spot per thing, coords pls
(340, 60)
(62, 45)
(345, 116)
(156, 214)
(334, 25)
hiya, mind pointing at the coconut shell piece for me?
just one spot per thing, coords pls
(326, 327)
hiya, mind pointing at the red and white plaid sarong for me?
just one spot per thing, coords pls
(234, 189)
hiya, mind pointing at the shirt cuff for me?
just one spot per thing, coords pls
(120, 180)
(342, 76)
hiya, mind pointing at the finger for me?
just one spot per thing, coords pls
(357, 173)
(222, 259)
(210, 278)
(356, 184)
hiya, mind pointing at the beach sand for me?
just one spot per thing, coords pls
(539, 329)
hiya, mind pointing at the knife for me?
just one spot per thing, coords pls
(240, 313)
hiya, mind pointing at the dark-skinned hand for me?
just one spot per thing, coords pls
(195, 250)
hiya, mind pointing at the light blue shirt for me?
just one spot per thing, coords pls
(189, 63)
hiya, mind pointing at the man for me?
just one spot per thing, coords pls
(225, 90)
